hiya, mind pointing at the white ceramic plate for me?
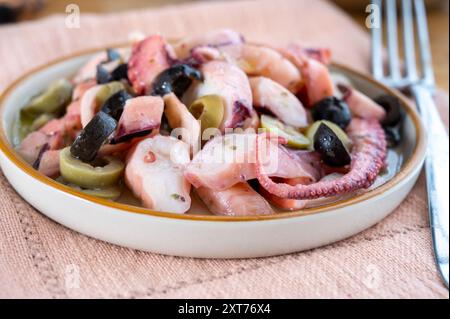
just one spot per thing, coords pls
(196, 234)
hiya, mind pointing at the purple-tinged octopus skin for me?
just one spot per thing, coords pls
(232, 85)
(368, 156)
(149, 58)
(215, 38)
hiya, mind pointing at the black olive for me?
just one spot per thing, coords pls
(113, 106)
(393, 122)
(176, 79)
(393, 135)
(104, 72)
(112, 54)
(104, 76)
(332, 109)
(121, 72)
(129, 136)
(330, 147)
(394, 111)
(93, 136)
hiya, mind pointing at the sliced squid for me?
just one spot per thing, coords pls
(213, 38)
(230, 159)
(279, 101)
(231, 84)
(181, 120)
(361, 105)
(149, 57)
(154, 173)
(238, 200)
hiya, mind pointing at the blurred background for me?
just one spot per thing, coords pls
(19, 10)
(16, 11)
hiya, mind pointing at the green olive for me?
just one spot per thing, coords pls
(40, 121)
(109, 192)
(106, 173)
(52, 100)
(29, 123)
(107, 90)
(24, 124)
(209, 110)
(336, 129)
(294, 138)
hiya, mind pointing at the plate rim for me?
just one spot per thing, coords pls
(416, 158)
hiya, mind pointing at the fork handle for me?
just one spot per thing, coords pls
(437, 173)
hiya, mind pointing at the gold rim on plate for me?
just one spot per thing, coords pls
(406, 169)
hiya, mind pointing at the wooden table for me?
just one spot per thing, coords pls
(438, 24)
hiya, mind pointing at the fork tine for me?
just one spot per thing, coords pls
(377, 43)
(408, 40)
(392, 39)
(424, 42)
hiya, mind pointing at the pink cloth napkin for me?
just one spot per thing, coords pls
(40, 258)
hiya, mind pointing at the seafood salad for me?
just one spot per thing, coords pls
(247, 129)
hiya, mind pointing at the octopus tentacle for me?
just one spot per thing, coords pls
(368, 156)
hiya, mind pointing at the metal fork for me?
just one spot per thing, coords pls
(422, 86)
